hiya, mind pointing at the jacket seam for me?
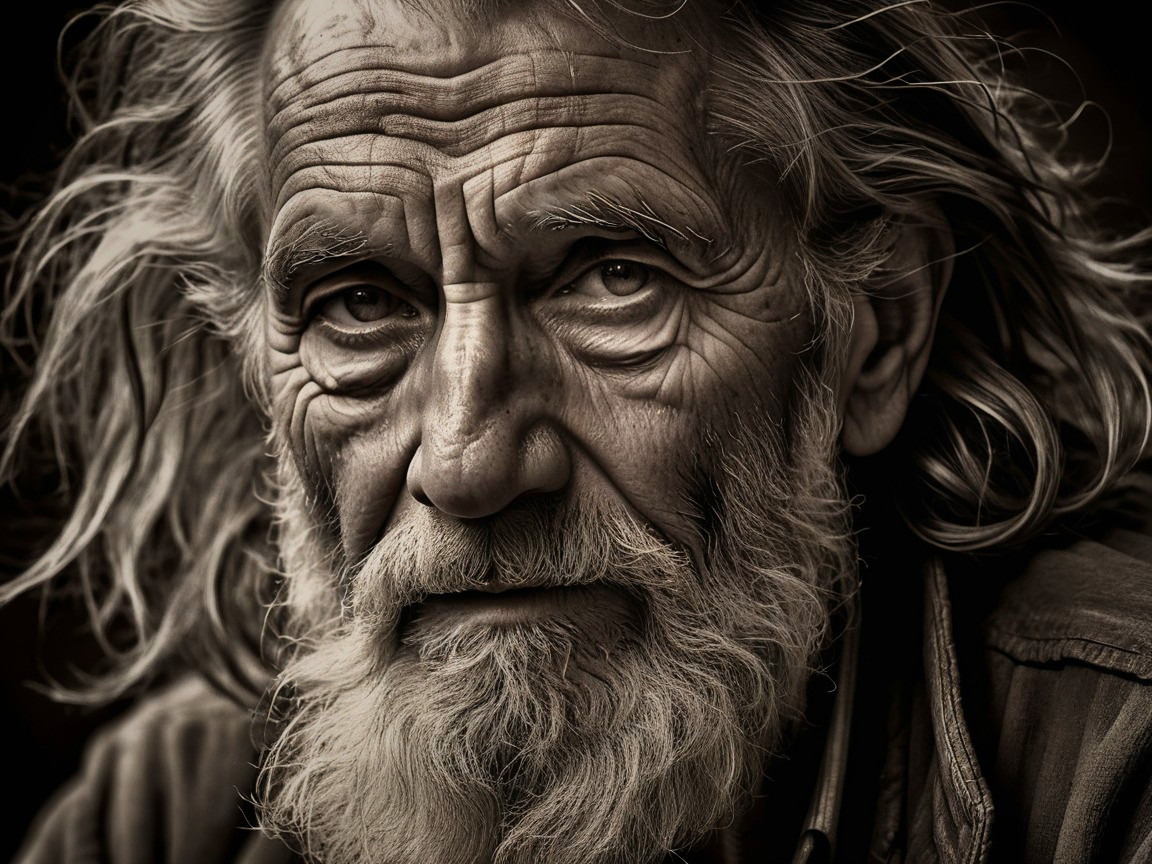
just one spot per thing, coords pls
(1111, 658)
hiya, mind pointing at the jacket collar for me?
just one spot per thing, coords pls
(952, 820)
(959, 796)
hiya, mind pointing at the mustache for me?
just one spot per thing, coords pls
(540, 542)
(544, 742)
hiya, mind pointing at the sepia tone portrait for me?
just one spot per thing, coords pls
(579, 432)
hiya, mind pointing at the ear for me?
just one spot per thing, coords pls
(892, 330)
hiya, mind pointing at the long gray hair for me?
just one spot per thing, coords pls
(137, 282)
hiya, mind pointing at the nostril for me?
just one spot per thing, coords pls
(497, 470)
(415, 479)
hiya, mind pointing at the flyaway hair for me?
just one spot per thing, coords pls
(138, 281)
(1036, 399)
(144, 262)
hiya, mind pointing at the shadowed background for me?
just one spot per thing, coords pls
(41, 741)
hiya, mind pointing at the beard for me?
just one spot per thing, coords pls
(406, 737)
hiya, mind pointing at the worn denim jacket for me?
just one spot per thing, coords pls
(1028, 739)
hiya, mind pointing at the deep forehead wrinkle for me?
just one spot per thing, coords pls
(467, 138)
(346, 71)
(461, 137)
(529, 97)
(467, 110)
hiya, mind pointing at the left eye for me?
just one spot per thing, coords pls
(617, 277)
(361, 304)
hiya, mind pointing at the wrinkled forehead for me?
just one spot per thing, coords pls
(452, 36)
(386, 112)
(447, 63)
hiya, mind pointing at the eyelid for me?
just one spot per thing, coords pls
(371, 273)
(641, 251)
(367, 336)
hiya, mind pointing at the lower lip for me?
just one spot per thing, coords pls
(591, 607)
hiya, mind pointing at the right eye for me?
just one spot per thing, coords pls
(363, 299)
(364, 303)
(362, 325)
(613, 278)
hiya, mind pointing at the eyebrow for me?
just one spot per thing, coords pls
(313, 244)
(604, 211)
(322, 241)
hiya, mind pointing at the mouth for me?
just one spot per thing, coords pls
(591, 608)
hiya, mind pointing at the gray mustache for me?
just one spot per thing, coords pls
(537, 543)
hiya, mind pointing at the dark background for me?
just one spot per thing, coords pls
(41, 742)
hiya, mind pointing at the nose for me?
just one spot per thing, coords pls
(485, 439)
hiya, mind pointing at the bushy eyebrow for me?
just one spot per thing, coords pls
(321, 241)
(604, 211)
(313, 244)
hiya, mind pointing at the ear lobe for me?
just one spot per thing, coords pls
(892, 332)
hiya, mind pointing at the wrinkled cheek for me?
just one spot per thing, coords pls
(323, 400)
(350, 456)
(370, 473)
(305, 428)
(303, 433)
(371, 370)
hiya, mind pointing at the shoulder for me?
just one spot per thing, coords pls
(1068, 660)
(1089, 601)
(164, 783)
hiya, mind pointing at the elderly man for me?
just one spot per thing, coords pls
(514, 394)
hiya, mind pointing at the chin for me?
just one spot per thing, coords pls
(600, 696)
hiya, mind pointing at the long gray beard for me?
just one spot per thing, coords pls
(535, 744)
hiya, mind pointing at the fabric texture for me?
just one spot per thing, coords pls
(168, 783)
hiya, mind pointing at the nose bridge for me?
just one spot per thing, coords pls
(472, 371)
(481, 445)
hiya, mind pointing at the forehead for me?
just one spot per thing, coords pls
(379, 113)
(449, 36)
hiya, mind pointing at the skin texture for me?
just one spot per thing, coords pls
(569, 288)
(534, 346)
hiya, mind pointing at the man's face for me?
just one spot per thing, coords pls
(545, 280)
(533, 351)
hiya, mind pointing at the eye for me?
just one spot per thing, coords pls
(617, 277)
(363, 304)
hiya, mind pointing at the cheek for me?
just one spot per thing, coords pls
(654, 433)
(369, 368)
(314, 425)
(352, 455)
(337, 412)
(351, 420)
(370, 476)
